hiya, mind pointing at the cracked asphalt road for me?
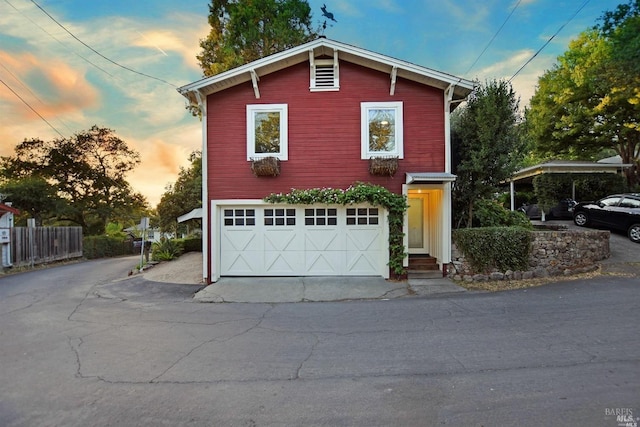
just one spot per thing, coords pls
(82, 344)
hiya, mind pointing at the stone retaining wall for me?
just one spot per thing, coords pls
(553, 253)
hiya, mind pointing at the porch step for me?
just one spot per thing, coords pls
(423, 267)
(422, 263)
(424, 274)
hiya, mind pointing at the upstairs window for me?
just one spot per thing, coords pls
(382, 129)
(267, 131)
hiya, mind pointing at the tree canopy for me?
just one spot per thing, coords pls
(183, 196)
(486, 146)
(81, 179)
(245, 30)
(589, 102)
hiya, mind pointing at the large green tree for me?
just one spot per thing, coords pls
(245, 30)
(589, 102)
(88, 172)
(183, 196)
(487, 146)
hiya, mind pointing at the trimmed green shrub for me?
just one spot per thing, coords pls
(502, 248)
(105, 246)
(166, 250)
(191, 244)
(489, 213)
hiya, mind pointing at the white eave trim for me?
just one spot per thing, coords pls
(348, 53)
(429, 177)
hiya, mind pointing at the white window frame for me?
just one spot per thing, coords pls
(251, 131)
(365, 107)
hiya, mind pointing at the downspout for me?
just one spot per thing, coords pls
(206, 242)
(446, 186)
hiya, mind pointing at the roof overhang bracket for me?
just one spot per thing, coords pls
(394, 75)
(254, 81)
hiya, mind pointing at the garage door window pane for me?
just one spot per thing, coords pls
(239, 217)
(320, 216)
(363, 216)
(279, 217)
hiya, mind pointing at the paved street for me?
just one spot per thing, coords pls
(82, 344)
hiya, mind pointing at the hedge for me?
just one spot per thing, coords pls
(501, 248)
(105, 246)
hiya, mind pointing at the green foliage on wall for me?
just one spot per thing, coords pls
(396, 205)
(502, 248)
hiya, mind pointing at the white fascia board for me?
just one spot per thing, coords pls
(300, 53)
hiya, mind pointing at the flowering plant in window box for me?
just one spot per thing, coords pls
(265, 166)
(383, 166)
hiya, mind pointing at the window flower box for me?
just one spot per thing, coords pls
(383, 166)
(266, 166)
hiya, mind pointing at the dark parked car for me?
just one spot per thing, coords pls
(560, 211)
(617, 212)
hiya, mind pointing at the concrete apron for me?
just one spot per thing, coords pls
(316, 289)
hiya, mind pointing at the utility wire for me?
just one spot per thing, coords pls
(31, 108)
(58, 40)
(494, 36)
(98, 53)
(549, 41)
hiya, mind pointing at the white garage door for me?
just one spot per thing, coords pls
(302, 241)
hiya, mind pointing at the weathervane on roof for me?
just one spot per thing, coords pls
(328, 15)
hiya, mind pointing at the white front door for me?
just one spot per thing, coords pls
(417, 226)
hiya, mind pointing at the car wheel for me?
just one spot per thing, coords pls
(634, 233)
(581, 219)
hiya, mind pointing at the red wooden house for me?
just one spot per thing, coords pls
(323, 110)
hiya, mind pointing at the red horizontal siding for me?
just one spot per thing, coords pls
(324, 132)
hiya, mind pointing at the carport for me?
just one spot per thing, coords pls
(526, 175)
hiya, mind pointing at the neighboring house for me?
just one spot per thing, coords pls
(323, 109)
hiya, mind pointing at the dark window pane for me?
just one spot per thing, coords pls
(308, 212)
(331, 212)
(228, 212)
(279, 212)
(320, 212)
(268, 212)
(362, 211)
(351, 221)
(308, 221)
(228, 221)
(291, 221)
(268, 221)
(373, 221)
(320, 221)
(373, 211)
(351, 211)
(239, 212)
(251, 212)
(291, 212)
(239, 221)
(279, 221)
(362, 221)
(251, 221)
(332, 221)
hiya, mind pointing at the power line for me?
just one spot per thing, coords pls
(494, 36)
(549, 41)
(31, 108)
(56, 39)
(98, 53)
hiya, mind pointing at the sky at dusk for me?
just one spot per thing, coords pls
(117, 63)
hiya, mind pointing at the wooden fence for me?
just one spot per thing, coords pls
(38, 245)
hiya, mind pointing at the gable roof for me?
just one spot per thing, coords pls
(324, 46)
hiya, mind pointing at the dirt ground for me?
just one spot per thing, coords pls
(185, 270)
